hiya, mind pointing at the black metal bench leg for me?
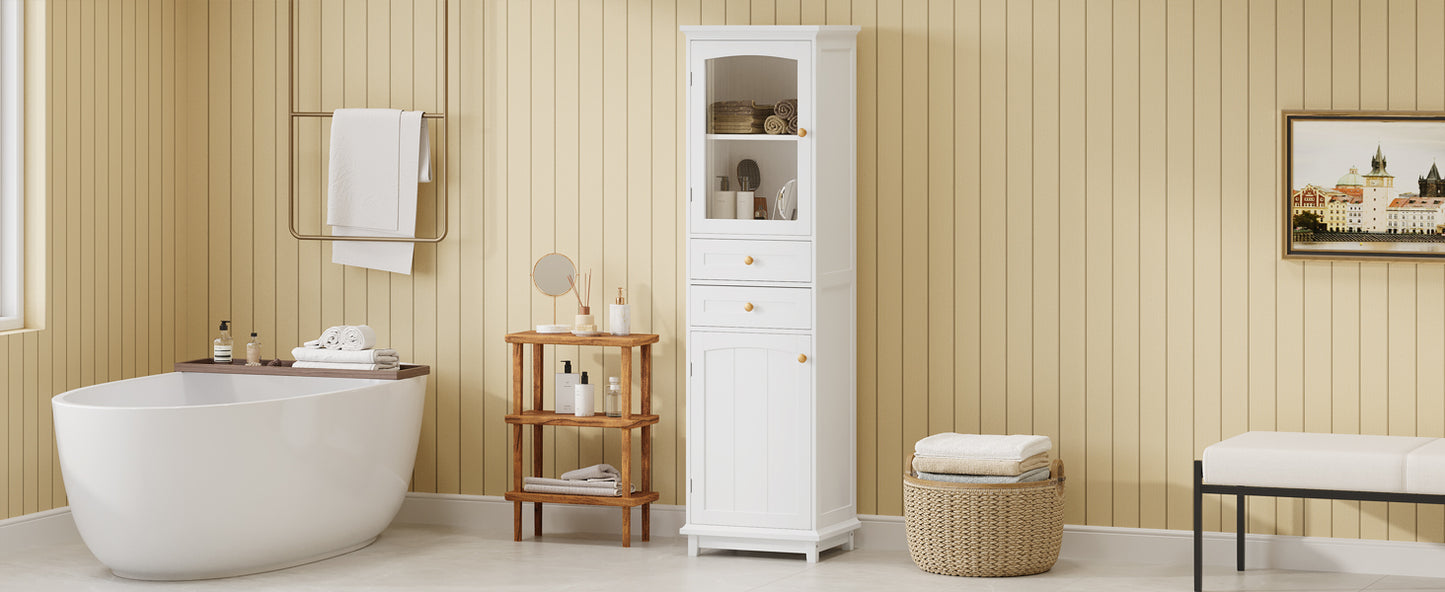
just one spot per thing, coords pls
(1198, 526)
(1239, 536)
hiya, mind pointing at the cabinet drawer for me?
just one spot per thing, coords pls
(776, 261)
(746, 306)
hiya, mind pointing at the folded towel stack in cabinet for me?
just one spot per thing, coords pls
(980, 458)
(599, 480)
(346, 347)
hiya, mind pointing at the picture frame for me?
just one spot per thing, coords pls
(1352, 190)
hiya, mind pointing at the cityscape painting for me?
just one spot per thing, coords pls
(1364, 185)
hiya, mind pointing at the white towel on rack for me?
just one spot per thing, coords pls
(377, 158)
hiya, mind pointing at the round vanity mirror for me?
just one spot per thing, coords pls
(550, 274)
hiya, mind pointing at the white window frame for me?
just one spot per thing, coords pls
(12, 186)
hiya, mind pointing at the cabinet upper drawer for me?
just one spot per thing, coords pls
(747, 306)
(774, 261)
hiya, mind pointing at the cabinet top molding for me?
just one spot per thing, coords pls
(769, 32)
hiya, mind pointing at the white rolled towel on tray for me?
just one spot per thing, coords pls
(329, 339)
(344, 366)
(357, 337)
(366, 356)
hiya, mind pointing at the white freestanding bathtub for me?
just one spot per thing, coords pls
(187, 476)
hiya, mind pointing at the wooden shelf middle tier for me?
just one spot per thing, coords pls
(597, 420)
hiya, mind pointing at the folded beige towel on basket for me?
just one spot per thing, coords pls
(967, 466)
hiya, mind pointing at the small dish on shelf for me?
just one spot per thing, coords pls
(586, 333)
(549, 329)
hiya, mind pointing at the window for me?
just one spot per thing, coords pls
(12, 189)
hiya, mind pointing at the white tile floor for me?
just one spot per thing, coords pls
(433, 558)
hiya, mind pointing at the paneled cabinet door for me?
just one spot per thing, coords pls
(749, 402)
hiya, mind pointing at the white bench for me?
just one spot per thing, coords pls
(1320, 466)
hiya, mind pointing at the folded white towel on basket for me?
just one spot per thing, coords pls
(1015, 447)
(377, 158)
(345, 366)
(367, 356)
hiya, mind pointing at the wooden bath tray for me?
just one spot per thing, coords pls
(240, 367)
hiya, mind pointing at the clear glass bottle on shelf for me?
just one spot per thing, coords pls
(612, 400)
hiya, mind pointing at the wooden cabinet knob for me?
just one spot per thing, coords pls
(802, 132)
(802, 358)
(748, 307)
(748, 260)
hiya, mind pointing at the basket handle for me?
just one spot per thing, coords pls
(1058, 473)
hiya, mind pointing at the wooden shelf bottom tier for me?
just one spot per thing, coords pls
(627, 501)
(596, 420)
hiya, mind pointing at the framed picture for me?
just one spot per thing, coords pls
(1364, 186)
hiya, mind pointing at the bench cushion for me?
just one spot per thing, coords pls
(1350, 462)
(1425, 469)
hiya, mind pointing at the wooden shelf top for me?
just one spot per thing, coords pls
(633, 340)
(240, 367)
(598, 420)
(627, 501)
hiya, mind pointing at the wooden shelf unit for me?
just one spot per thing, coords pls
(537, 417)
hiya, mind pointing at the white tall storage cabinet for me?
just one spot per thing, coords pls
(771, 445)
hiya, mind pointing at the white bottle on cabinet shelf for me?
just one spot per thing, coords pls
(771, 303)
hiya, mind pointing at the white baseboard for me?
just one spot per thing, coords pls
(1081, 543)
(51, 527)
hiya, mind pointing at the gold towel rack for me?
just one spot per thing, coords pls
(440, 180)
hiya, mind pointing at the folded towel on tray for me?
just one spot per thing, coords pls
(983, 446)
(366, 356)
(572, 490)
(968, 466)
(1028, 477)
(345, 366)
(602, 471)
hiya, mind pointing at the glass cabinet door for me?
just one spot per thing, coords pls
(749, 110)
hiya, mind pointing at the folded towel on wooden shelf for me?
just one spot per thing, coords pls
(595, 484)
(365, 356)
(969, 466)
(571, 490)
(602, 471)
(983, 446)
(1028, 477)
(345, 366)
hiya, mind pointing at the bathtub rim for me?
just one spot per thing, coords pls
(61, 400)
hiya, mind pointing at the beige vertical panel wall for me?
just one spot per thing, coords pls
(1068, 223)
(109, 276)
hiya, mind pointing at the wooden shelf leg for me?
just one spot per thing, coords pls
(537, 361)
(627, 527)
(646, 522)
(516, 521)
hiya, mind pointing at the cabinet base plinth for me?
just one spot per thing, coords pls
(806, 542)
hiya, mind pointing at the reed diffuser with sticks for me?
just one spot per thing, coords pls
(582, 289)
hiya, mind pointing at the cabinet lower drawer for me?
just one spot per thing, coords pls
(747, 306)
(775, 261)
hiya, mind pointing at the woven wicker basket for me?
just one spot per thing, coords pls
(962, 529)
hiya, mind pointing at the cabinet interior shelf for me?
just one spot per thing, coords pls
(754, 137)
(597, 420)
(637, 498)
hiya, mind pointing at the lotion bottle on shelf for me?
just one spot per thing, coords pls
(566, 393)
(584, 402)
(253, 350)
(619, 316)
(221, 347)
